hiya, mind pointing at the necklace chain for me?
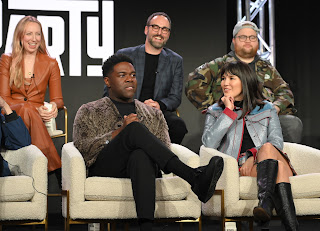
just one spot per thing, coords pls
(30, 71)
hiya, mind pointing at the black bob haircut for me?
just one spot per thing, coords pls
(113, 60)
(251, 87)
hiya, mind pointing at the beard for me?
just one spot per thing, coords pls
(246, 52)
(156, 44)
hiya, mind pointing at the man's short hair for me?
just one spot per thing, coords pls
(157, 14)
(113, 60)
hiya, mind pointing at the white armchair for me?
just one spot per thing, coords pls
(106, 199)
(23, 196)
(236, 196)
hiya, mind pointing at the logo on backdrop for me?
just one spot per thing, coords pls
(78, 33)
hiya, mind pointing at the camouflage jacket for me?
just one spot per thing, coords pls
(204, 84)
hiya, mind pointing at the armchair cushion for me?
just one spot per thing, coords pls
(303, 186)
(16, 189)
(116, 189)
(86, 203)
(29, 167)
(240, 193)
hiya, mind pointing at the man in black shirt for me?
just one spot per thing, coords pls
(159, 73)
(119, 136)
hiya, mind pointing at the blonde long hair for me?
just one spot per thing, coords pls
(16, 75)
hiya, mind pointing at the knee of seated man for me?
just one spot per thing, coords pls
(140, 159)
(179, 125)
(291, 121)
(138, 155)
(295, 122)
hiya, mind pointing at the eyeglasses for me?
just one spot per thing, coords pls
(156, 28)
(244, 38)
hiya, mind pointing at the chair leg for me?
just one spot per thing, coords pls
(181, 226)
(66, 225)
(239, 226)
(46, 222)
(102, 228)
(113, 226)
(223, 224)
(251, 225)
(126, 226)
(200, 224)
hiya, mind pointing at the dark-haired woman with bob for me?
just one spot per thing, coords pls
(245, 126)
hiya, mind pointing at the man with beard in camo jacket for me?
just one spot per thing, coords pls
(203, 87)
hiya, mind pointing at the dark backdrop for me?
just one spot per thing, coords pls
(202, 31)
(298, 61)
(198, 35)
(296, 58)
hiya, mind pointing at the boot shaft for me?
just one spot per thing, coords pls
(267, 172)
(285, 206)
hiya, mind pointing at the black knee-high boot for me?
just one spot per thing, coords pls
(285, 206)
(267, 171)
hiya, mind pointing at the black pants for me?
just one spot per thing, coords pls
(137, 154)
(177, 127)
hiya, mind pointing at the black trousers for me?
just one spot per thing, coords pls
(137, 154)
(177, 127)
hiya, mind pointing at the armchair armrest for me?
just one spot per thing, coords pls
(304, 159)
(229, 180)
(187, 156)
(73, 172)
(30, 161)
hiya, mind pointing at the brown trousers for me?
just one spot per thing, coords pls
(39, 133)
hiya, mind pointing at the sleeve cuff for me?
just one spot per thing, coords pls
(11, 117)
(163, 107)
(253, 151)
(230, 113)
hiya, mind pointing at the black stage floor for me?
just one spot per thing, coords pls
(56, 224)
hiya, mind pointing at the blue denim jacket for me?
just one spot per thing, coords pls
(223, 130)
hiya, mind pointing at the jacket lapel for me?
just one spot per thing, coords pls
(162, 64)
(37, 76)
(139, 67)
